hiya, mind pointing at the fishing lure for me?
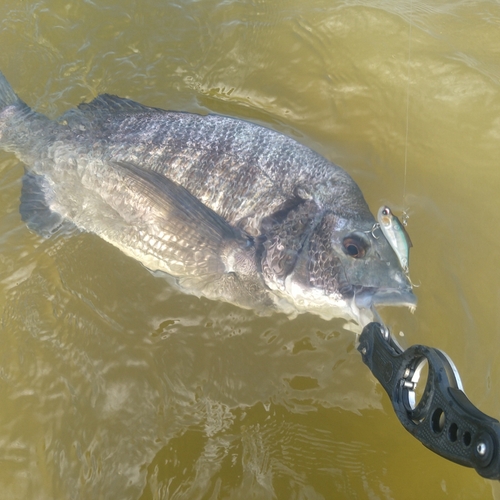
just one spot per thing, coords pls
(396, 235)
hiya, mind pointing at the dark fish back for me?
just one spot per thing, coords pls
(242, 171)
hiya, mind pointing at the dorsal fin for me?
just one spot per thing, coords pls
(102, 106)
(111, 103)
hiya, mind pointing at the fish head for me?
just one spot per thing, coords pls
(372, 269)
(338, 266)
(351, 264)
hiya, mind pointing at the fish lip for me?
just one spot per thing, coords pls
(394, 297)
(367, 297)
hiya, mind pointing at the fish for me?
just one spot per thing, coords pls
(396, 235)
(227, 209)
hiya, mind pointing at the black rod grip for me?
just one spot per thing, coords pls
(443, 419)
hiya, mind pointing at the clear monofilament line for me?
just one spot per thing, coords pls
(407, 109)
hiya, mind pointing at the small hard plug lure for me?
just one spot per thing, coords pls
(396, 235)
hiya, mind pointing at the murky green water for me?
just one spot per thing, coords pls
(114, 385)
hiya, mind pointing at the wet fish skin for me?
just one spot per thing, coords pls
(232, 210)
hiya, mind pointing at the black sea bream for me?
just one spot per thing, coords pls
(233, 211)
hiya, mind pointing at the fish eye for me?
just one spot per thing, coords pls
(354, 246)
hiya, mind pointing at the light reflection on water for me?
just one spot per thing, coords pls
(115, 385)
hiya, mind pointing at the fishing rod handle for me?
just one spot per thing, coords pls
(442, 418)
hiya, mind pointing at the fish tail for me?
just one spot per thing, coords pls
(7, 94)
(21, 128)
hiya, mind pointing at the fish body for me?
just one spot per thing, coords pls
(232, 210)
(396, 235)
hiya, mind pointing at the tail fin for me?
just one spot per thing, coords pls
(7, 94)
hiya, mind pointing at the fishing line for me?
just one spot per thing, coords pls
(405, 215)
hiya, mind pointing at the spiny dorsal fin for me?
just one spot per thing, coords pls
(101, 108)
(111, 103)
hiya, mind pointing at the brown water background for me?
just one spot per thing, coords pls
(114, 385)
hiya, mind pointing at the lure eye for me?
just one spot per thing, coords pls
(386, 212)
(354, 246)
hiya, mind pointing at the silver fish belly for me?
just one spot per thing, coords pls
(232, 210)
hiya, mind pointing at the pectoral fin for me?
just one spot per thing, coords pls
(206, 254)
(191, 238)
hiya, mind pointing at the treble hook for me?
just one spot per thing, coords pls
(376, 225)
(405, 218)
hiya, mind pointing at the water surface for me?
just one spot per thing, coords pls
(115, 385)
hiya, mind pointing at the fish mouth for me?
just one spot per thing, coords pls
(368, 297)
